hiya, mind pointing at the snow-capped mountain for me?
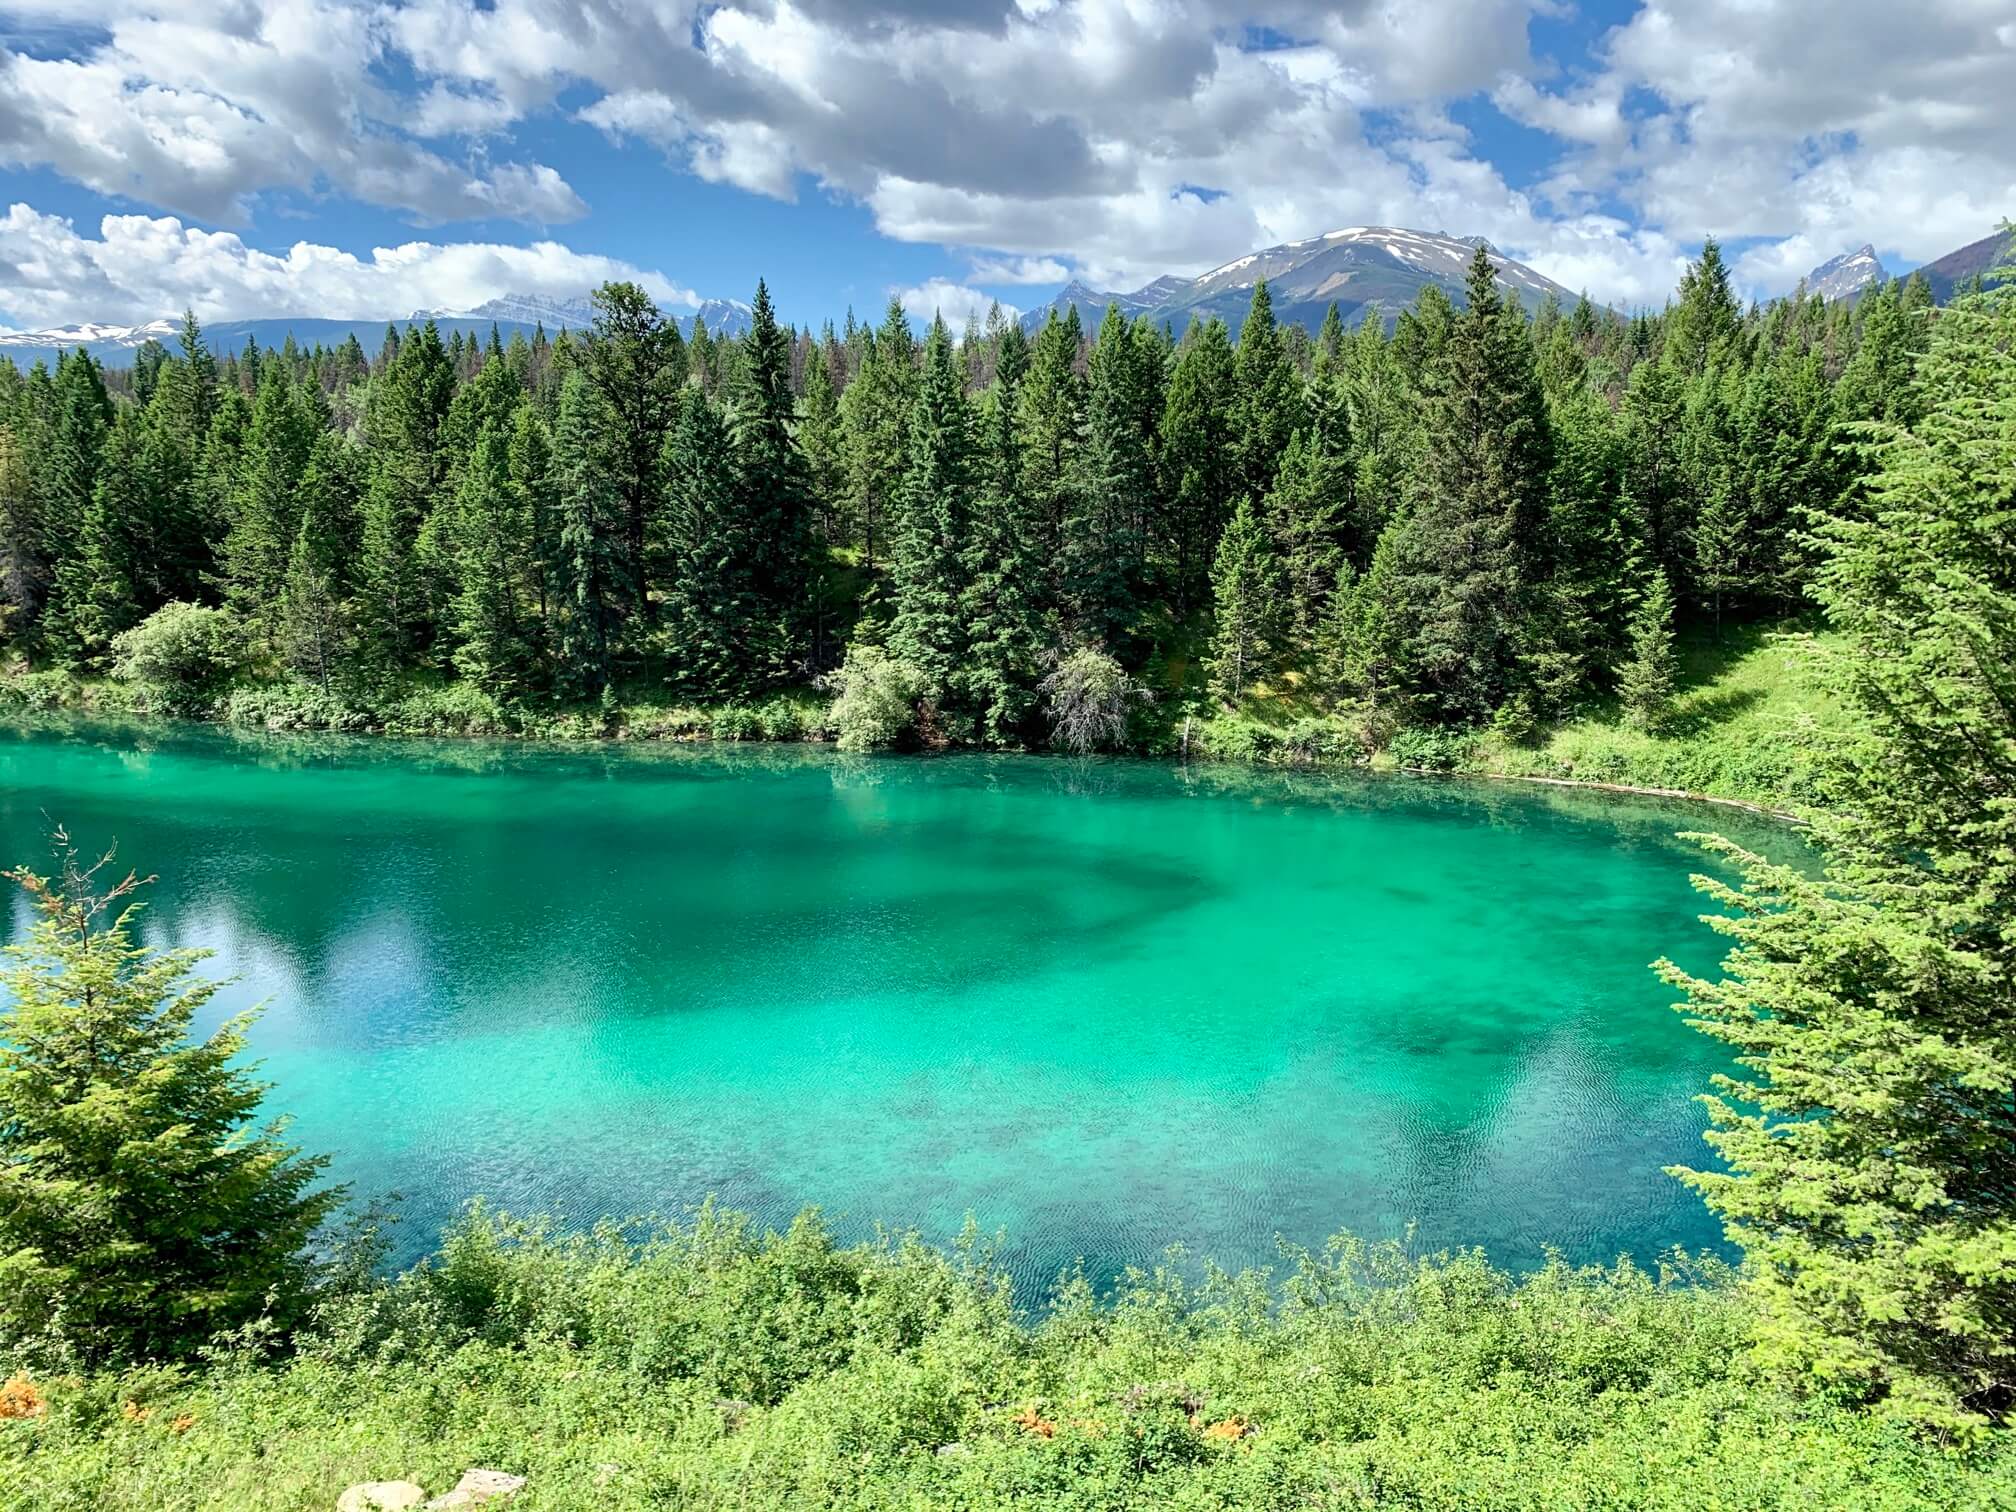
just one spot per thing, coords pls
(1848, 276)
(1368, 272)
(96, 335)
(510, 314)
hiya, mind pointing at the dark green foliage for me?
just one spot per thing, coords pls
(928, 574)
(1475, 552)
(1247, 607)
(141, 1213)
(1871, 1135)
(1646, 681)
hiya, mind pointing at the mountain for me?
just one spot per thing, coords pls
(1848, 276)
(1956, 268)
(511, 314)
(1368, 272)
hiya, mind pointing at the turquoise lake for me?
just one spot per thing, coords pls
(1104, 1007)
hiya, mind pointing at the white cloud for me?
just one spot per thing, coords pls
(955, 302)
(1075, 136)
(143, 267)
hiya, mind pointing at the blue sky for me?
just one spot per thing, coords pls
(365, 159)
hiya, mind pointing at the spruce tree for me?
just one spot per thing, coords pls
(712, 613)
(316, 631)
(1049, 429)
(1247, 608)
(1646, 681)
(936, 504)
(1116, 501)
(1267, 403)
(636, 360)
(1199, 473)
(144, 1211)
(1870, 1136)
(1475, 549)
(265, 504)
(1005, 632)
(592, 570)
(773, 497)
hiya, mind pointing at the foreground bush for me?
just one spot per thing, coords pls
(705, 1365)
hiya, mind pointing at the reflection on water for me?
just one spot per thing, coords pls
(1106, 1006)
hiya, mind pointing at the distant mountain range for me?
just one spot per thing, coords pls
(1368, 272)
(115, 345)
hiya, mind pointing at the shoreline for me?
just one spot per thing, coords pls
(690, 732)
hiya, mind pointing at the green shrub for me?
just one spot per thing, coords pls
(187, 651)
(877, 700)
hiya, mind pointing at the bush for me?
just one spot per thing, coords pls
(186, 651)
(1428, 749)
(1087, 699)
(878, 699)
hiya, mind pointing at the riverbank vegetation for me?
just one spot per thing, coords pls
(1480, 540)
(1862, 1356)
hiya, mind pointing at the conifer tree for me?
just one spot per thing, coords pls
(1049, 429)
(316, 633)
(1004, 627)
(928, 573)
(637, 363)
(145, 1211)
(493, 552)
(1646, 681)
(1199, 474)
(1475, 548)
(593, 576)
(1706, 322)
(1870, 1136)
(265, 508)
(1247, 611)
(1115, 503)
(93, 598)
(773, 496)
(1267, 404)
(712, 610)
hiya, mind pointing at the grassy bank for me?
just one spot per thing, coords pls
(707, 1367)
(1748, 722)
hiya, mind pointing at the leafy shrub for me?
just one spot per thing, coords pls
(1088, 698)
(188, 651)
(1425, 748)
(877, 700)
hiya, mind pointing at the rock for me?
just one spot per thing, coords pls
(478, 1488)
(380, 1496)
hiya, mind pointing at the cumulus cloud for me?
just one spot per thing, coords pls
(1109, 139)
(955, 302)
(142, 267)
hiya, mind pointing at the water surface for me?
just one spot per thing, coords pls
(1105, 1007)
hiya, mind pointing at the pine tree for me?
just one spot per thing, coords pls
(773, 497)
(875, 415)
(637, 363)
(492, 556)
(928, 573)
(1246, 593)
(1267, 404)
(593, 578)
(316, 634)
(145, 1213)
(1646, 681)
(1870, 1137)
(402, 425)
(93, 599)
(1198, 470)
(1475, 548)
(712, 613)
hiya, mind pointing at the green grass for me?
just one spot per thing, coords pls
(1750, 721)
(712, 1367)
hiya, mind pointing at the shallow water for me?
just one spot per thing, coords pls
(1105, 1006)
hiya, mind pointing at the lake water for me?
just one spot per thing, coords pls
(1104, 1007)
